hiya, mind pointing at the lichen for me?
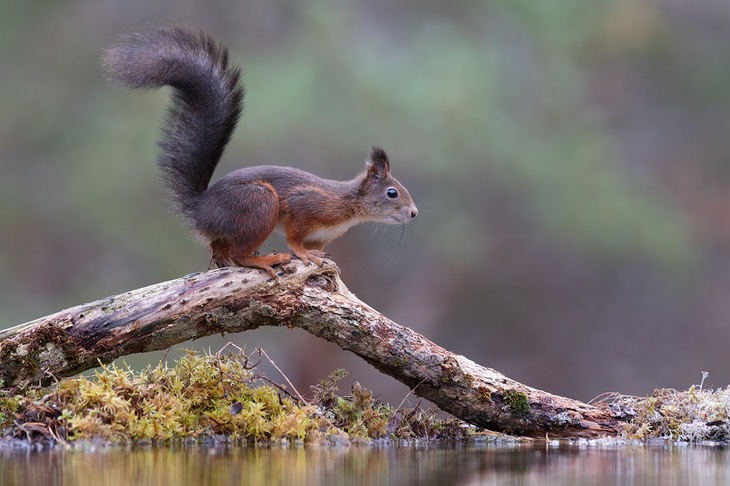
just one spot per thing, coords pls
(52, 357)
(21, 350)
(484, 393)
(694, 415)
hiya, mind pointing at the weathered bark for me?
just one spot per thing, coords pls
(314, 299)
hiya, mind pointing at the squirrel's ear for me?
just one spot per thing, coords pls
(378, 164)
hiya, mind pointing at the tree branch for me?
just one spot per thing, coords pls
(315, 299)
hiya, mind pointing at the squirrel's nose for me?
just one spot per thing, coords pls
(414, 212)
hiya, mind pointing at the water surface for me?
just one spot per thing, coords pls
(471, 464)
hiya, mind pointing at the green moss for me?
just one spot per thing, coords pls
(518, 403)
(204, 396)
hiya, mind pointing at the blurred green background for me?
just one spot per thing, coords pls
(569, 160)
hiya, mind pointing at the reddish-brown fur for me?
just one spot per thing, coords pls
(236, 214)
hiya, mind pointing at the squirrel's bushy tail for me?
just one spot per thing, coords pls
(206, 102)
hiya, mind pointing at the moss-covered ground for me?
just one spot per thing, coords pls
(226, 397)
(218, 397)
(693, 416)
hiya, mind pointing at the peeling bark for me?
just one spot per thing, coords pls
(233, 300)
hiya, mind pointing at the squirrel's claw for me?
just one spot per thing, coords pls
(313, 256)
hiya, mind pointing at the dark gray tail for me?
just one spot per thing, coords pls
(207, 100)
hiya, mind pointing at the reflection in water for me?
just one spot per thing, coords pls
(467, 464)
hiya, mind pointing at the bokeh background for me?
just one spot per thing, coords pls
(569, 160)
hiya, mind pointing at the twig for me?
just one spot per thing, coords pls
(278, 386)
(610, 397)
(57, 437)
(219, 364)
(285, 377)
(410, 392)
(164, 356)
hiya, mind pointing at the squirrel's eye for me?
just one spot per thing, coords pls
(392, 192)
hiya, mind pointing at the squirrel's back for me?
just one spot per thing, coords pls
(236, 215)
(206, 103)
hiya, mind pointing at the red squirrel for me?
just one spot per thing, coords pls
(236, 215)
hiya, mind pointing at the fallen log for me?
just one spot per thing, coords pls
(315, 299)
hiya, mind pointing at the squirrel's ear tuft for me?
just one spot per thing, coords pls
(378, 164)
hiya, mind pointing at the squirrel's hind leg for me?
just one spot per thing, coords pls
(255, 210)
(263, 262)
(223, 255)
